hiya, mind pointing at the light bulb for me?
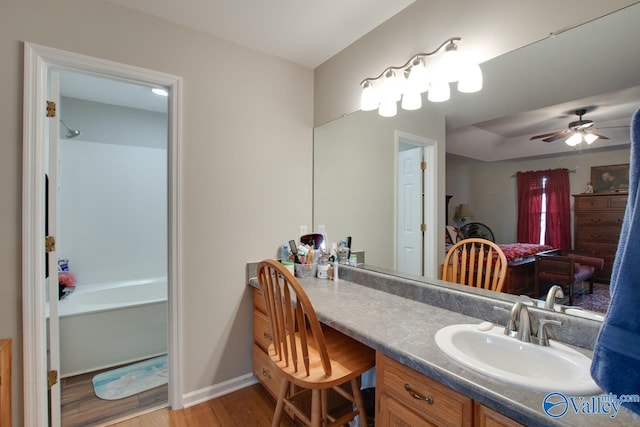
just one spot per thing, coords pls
(391, 90)
(369, 98)
(451, 63)
(388, 108)
(411, 101)
(418, 78)
(590, 137)
(439, 91)
(470, 79)
(574, 139)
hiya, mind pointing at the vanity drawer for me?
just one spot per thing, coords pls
(261, 330)
(265, 370)
(258, 301)
(448, 408)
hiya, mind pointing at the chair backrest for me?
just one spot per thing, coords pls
(559, 269)
(292, 317)
(476, 262)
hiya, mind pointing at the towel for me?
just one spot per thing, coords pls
(616, 355)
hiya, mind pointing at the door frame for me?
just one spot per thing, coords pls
(430, 202)
(37, 60)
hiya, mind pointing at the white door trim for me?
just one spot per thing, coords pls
(37, 60)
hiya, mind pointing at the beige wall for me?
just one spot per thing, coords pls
(247, 136)
(490, 188)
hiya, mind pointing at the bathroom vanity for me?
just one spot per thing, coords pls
(416, 382)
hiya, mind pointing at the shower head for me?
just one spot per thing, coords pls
(71, 133)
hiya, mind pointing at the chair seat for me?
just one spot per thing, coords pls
(582, 273)
(349, 359)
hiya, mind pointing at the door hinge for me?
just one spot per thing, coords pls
(51, 109)
(52, 378)
(423, 165)
(49, 244)
(423, 227)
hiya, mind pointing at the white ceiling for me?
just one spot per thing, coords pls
(516, 102)
(307, 32)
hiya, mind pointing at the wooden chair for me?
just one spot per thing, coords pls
(565, 269)
(476, 262)
(312, 356)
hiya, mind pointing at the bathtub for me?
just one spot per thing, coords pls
(106, 325)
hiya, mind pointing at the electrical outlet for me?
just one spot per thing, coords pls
(303, 230)
(321, 229)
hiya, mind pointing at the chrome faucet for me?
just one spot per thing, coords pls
(519, 326)
(519, 323)
(554, 292)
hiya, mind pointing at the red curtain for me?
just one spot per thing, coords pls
(531, 186)
(530, 189)
(558, 230)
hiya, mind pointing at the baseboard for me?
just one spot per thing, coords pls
(198, 396)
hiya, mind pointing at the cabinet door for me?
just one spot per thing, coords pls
(394, 414)
(487, 417)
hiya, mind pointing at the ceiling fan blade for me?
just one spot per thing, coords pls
(556, 137)
(613, 127)
(598, 135)
(546, 135)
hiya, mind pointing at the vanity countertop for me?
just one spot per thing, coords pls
(404, 329)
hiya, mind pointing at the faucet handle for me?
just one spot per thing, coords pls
(543, 338)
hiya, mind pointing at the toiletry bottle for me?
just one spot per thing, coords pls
(284, 252)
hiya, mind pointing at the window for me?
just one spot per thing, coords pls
(543, 208)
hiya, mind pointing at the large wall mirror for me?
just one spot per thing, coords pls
(481, 140)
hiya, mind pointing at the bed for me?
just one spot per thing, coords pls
(520, 278)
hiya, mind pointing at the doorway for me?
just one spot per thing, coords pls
(416, 205)
(39, 364)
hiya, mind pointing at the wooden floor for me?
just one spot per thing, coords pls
(81, 407)
(250, 406)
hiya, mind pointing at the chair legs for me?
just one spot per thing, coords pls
(319, 406)
(357, 397)
(277, 415)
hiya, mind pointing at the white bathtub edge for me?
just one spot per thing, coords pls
(211, 392)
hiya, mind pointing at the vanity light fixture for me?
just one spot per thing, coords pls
(409, 81)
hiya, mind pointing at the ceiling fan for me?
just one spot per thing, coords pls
(578, 131)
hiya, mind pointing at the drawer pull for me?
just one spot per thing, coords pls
(267, 336)
(266, 373)
(415, 395)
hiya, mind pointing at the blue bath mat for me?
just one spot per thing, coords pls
(131, 379)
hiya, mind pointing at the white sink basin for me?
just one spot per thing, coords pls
(486, 349)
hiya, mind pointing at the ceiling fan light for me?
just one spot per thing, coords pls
(590, 138)
(574, 139)
(470, 79)
(368, 98)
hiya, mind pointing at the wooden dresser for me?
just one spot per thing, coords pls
(597, 222)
